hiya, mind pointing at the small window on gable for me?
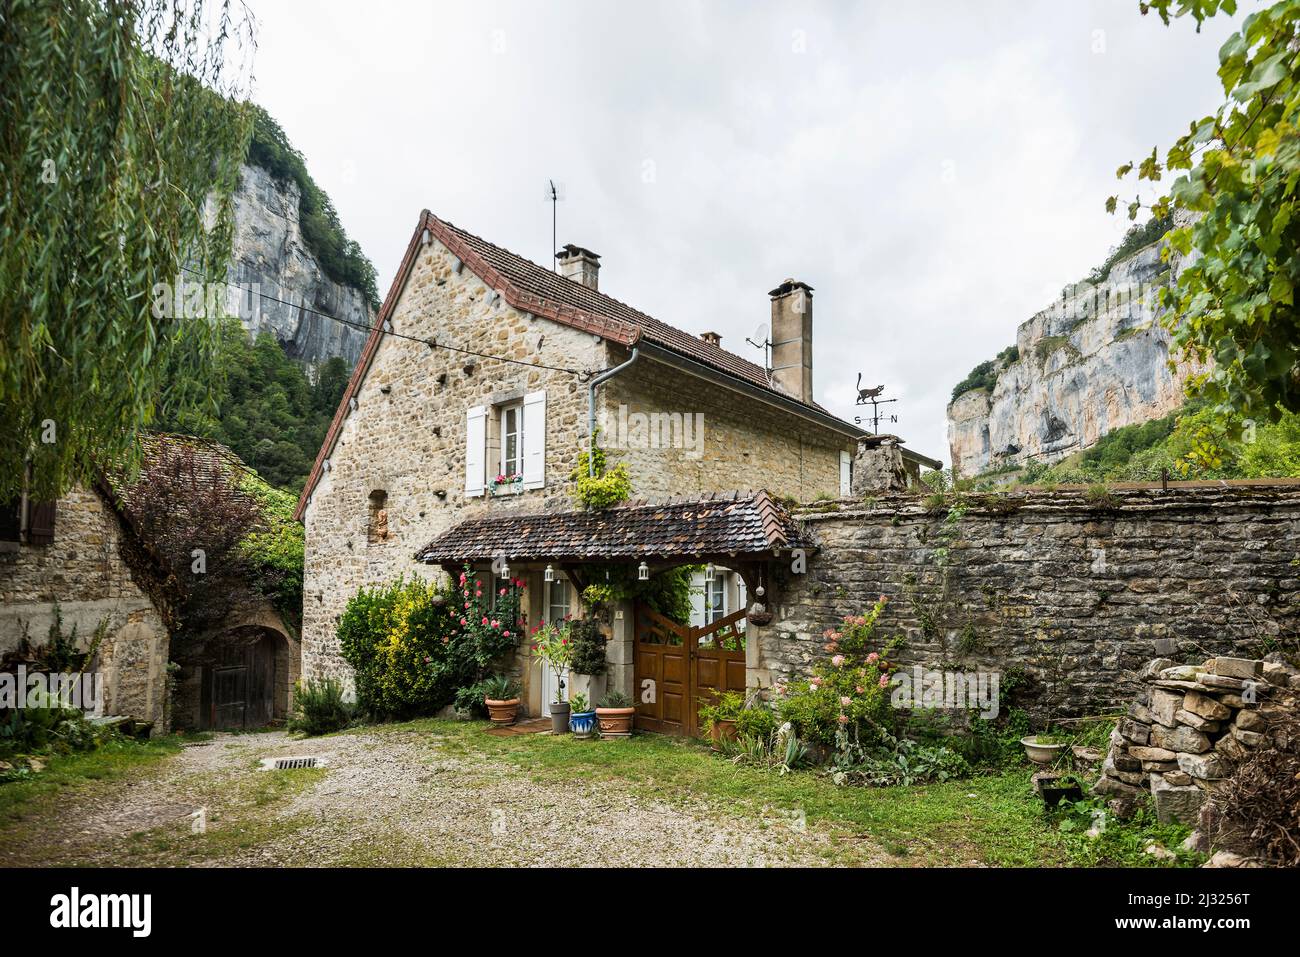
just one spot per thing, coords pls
(377, 526)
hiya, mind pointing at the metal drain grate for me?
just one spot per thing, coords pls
(287, 764)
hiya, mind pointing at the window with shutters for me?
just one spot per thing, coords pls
(505, 446)
(512, 441)
(23, 520)
(11, 520)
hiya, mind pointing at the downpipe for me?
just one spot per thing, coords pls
(591, 405)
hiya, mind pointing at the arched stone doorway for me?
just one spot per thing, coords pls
(235, 678)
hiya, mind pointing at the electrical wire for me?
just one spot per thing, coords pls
(584, 374)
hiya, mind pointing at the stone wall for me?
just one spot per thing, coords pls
(407, 438)
(83, 571)
(1068, 592)
(1191, 725)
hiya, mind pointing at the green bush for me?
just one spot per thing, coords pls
(413, 645)
(588, 647)
(756, 722)
(319, 708)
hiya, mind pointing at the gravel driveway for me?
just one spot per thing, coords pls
(393, 798)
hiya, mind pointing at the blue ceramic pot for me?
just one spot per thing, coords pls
(582, 723)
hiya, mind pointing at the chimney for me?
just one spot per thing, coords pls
(580, 265)
(792, 338)
(712, 338)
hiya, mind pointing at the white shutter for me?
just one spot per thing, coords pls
(846, 475)
(475, 449)
(697, 598)
(534, 427)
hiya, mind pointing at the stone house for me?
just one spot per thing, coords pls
(85, 563)
(486, 375)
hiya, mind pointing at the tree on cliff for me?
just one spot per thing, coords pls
(1238, 174)
(114, 148)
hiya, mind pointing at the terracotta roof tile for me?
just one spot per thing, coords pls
(733, 523)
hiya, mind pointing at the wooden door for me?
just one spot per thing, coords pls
(717, 663)
(679, 668)
(240, 687)
(662, 673)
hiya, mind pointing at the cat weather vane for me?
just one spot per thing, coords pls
(872, 397)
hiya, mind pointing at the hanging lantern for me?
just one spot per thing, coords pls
(643, 572)
(710, 573)
(505, 569)
(549, 574)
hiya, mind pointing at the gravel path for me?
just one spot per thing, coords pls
(395, 798)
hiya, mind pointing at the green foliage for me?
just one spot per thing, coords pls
(615, 699)
(499, 688)
(756, 722)
(117, 141)
(413, 645)
(847, 698)
(983, 376)
(667, 592)
(1116, 843)
(1138, 236)
(551, 643)
(1237, 171)
(579, 703)
(895, 762)
(319, 708)
(340, 257)
(725, 707)
(588, 645)
(265, 408)
(605, 489)
(274, 551)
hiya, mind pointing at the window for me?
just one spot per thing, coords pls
(24, 520)
(512, 441)
(715, 599)
(557, 600)
(377, 527)
(846, 474)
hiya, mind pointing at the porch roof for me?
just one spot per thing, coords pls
(723, 524)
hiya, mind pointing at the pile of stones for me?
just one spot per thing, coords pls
(1190, 727)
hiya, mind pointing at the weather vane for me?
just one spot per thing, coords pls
(872, 397)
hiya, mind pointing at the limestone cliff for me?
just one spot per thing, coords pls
(1095, 360)
(270, 257)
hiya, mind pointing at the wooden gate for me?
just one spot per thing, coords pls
(239, 686)
(679, 668)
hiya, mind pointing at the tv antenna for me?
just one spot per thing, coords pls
(764, 343)
(554, 193)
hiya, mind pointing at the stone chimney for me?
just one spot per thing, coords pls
(792, 338)
(580, 265)
(878, 466)
(712, 338)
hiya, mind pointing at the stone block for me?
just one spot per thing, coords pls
(1174, 803)
(1164, 707)
(1196, 721)
(1114, 787)
(1276, 673)
(1181, 738)
(1204, 766)
(1152, 754)
(1205, 706)
(1238, 667)
(1154, 667)
(1248, 720)
(1178, 778)
(1223, 681)
(1182, 673)
(1230, 748)
(1132, 731)
(1251, 739)
(1159, 766)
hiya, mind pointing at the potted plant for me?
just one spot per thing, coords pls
(615, 715)
(720, 717)
(501, 698)
(582, 719)
(551, 644)
(1054, 787)
(1043, 748)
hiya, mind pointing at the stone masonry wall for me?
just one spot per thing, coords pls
(83, 571)
(1071, 591)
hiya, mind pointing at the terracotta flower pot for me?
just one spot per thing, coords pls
(722, 731)
(502, 712)
(615, 722)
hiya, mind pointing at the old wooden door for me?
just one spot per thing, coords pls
(679, 668)
(241, 685)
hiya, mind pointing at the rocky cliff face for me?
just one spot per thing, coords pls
(269, 256)
(1093, 361)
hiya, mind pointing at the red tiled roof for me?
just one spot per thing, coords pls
(731, 523)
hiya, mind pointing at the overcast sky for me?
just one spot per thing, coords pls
(935, 170)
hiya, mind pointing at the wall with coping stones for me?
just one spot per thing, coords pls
(1076, 592)
(83, 571)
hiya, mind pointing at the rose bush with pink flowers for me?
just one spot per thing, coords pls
(847, 695)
